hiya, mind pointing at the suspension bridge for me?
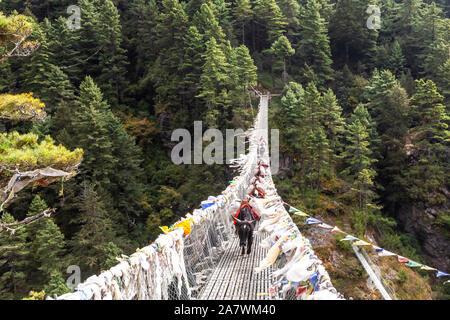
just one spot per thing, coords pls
(200, 258)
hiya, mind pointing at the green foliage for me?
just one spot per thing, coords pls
(57, 285)
(21, 107)
(111, 252)
(402, 277)
(25, 152)
(13, 282)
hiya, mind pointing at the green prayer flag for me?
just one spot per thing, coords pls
(293, 210)
(413, 264)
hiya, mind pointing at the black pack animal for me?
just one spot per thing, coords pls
(245, 225)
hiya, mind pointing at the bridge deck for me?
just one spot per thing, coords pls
(235, 279)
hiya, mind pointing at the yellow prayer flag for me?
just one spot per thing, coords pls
(361, 243)
(427, 268)
(302, 214)
(164, 229)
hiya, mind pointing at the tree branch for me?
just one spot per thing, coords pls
(26, 221)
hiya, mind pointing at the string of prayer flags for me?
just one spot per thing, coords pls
(413, 264)
(361, 243)
(441, 274)
(358, 242)
(311, 220)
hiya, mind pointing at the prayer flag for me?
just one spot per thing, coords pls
(442, 274)
(423, 267)
(361, 243)
(336, 229)
(377, 249)
(413, 264)
(385, 253)
(312, 221)
(349, 237)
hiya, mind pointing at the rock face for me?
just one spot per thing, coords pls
(421, 223)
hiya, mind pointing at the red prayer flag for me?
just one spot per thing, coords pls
(336, 229)
(402, 259)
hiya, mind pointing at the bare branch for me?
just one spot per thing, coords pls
(85, 60)
(26, 221)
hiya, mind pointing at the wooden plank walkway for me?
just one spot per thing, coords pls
(234, 277)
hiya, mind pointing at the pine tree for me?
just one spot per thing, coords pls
(352, 40)
(192, 63)
(112, 159)
(443, 81)
(317, 149)
(244, 70)
(428, 171)
(292, 115)
(214, 80)
(95, 231)
(243, 14)
(13, 257)
(112, 58)
(37, 71)
(140, 32)
(56, 285)
(290, 10)
(172, 23)
(282, 49)
(319, 155)
(314, 46)
(208, 24)
(49, 245)
(267, 13)
(396, 59)
(428, 168)
(357, 152)
(333, 122)
(92, 134)
(434, 39)
(358, 158)
(46, 246)
(64, 45)
(224, 16)
(88, 47)
(111, 252)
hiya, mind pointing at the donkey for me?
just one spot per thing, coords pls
(245, 226)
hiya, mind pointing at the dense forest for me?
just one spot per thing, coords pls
(363, 114)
